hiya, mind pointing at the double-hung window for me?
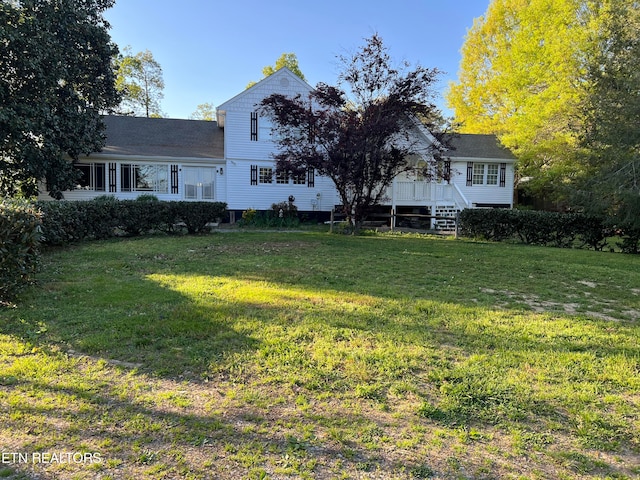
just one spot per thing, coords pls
(486, 174)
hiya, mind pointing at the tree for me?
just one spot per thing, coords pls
(360, 137)
(57, 76)
(204, 111)
(289, 60)
(611, 133)
(522, 78)
(140, 81)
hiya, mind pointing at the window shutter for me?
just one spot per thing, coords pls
(254, 126)
(112, 177)
(311, 178)
(174, 178)
(447, 171)
(469, 174)
(254, 175)
(503, 174)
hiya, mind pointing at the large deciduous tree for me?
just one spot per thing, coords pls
(612, 116)
(56, 77)
(289, 60)
(523, 78)
(357, 133)
(204, 111)
(140, 82)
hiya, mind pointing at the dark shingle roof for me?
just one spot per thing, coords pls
(478, 146)
(164, 137)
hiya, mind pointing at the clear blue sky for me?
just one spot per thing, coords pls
(210, 49)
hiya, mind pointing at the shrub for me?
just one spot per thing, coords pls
(534, 227)
(196, 215)
(145, 214)
(490, 224)
(65, 222)
(282, 214)
(286, 210)
(19, 242)
(627, 223)
(101, 217)
(248, 216)
(593, 230)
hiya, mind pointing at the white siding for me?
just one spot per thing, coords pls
(237, 124)
(487, 194)
(241, 152)
(241, 195)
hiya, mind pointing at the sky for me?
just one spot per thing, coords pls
(210, 50)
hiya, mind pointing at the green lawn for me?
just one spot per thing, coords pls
(308, 355)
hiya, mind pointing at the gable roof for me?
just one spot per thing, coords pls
(162, 137)
(467, 145)
(281, 78)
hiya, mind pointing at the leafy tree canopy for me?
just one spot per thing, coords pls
(523, 77)
(289, 60)
(57, 76)
(611, 127)
(140, 82)
(204, 111)
(358, 132)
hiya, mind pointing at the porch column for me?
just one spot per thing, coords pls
(393, 204)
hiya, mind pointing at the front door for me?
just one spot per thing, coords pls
(198, 183)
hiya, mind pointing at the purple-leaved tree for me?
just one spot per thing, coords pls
(363, 132)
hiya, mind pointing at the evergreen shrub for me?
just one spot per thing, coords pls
(19, 246)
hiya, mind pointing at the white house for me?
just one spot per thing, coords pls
(229, 160)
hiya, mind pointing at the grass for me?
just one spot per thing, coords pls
(305, 355)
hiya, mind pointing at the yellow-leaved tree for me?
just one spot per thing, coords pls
(523, 77)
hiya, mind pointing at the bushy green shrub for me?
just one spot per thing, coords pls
(145, 214)
(535, 227)
(490, 224)
(196, 215)
(62, 222)
(19, 242)
(627, 223)
(65, 222)
(101, 217)
(282, 214)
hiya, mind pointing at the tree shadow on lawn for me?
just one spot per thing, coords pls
(149, 327)
(136, 430)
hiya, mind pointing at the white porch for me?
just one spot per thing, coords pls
(441, 200)
(414, 193)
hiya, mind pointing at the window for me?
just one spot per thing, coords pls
(421, 167)
(92, 176)
(486, 174)
(265, 175)
(282, 178)
(478, 173)
(492, 174)
(144, 178)
(299, 178)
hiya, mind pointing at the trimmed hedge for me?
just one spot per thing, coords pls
(65, 222)
(19, 242)
(564, 230)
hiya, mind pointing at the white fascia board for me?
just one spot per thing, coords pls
(153, 158)
(482, 159)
